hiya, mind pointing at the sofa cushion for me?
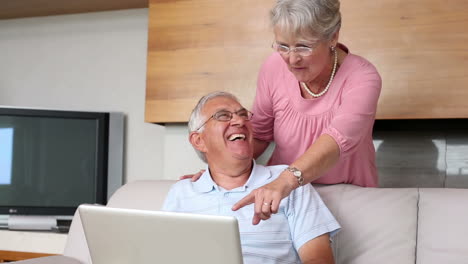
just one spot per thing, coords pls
(378, 225)
(143, 195)
(443, 229)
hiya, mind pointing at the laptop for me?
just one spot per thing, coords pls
(123, 236)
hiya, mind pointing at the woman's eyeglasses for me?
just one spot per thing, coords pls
(285, 50)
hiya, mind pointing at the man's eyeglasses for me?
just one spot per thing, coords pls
(285, 50)
(225, 116)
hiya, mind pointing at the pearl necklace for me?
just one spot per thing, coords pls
(304, 85)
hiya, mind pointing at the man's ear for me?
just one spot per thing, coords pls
(197, 141)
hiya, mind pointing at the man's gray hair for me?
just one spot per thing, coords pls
(197, 119)
(318, 18)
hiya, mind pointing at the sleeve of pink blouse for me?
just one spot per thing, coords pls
(263, 118)
(356, 114)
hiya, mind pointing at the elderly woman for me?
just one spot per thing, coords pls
(316, 101)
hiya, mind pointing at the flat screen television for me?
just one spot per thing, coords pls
(51, 161)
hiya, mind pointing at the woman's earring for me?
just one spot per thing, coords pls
(332, 48)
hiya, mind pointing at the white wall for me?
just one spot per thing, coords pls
(179, 156)
(93, 62)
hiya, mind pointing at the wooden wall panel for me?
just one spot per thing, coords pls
(199, 46)
(419, 47)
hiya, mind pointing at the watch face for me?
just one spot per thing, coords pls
(297, 173)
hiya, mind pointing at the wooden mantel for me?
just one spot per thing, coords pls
(199, 46)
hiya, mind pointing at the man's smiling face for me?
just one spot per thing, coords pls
(224, 141)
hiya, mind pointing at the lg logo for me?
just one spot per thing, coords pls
(13, 211)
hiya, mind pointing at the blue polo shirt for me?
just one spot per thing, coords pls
(302, 215)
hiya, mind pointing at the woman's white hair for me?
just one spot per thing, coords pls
(197, 119)
(318, 18)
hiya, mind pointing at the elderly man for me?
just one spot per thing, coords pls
(221, 134)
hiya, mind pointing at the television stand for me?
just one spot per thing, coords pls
(59, 224)
(26, 222)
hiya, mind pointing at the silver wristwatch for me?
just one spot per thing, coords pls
(297, 173)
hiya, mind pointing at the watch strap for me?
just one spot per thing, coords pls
(296, 173)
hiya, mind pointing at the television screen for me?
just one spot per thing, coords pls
(52, 161)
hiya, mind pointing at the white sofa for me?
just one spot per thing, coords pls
(379, 225)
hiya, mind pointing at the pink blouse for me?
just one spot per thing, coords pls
(346, 113)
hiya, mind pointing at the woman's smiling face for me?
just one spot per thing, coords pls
(305, 68)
